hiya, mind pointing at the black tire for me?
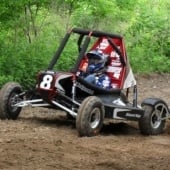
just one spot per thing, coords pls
(90, 117)
(7, 93)
(150, 123)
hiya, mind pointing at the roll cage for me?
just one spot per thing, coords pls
(83, 45)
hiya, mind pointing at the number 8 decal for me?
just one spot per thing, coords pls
(46, 82)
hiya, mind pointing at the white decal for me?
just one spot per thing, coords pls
(46, 82)
(116, 111)
(104, 44)
(133, 115)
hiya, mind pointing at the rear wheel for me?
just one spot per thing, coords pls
(8, 98)
(152, 123)
(90, 117)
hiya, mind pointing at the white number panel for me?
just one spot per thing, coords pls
(46, 82)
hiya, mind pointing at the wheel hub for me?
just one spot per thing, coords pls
(156, 119)
(95, 118)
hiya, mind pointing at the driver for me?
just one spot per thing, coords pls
(95, 71)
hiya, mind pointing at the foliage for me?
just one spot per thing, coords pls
(149, 34)
(31, 30)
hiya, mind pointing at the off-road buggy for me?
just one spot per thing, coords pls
(88, 103)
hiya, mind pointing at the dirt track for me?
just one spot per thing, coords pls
(44, 139)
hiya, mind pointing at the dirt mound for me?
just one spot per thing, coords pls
(44, 139)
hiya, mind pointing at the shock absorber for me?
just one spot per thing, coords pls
(135, 96)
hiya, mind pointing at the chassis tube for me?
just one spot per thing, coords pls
(74, 114)
(82, 52)
(118, 51)
(95, 33)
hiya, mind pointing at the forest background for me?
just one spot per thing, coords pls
(31, 30)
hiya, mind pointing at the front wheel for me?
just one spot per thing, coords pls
(8, 99)
(90, 117)
(152, 122)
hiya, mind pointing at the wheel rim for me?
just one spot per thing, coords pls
(156, 119)
(95, 118)
(12, 101)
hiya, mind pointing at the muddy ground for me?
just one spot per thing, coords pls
(44, 139)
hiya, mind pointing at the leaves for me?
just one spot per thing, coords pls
(31, 31)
